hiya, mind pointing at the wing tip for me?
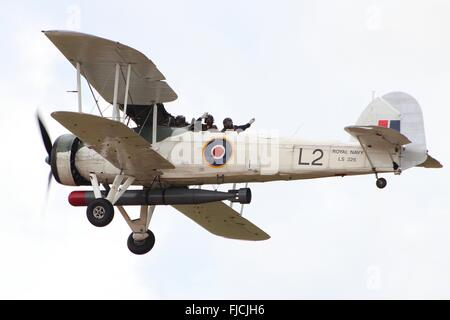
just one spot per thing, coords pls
(256, 238)
(264, 239)
(57, 114)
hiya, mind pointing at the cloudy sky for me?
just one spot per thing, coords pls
(305, 68)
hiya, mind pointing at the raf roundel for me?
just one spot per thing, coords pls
(217, 152)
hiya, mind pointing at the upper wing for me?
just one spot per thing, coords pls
(378, 137)
(98, 58)
(114, 141)
(221, 220)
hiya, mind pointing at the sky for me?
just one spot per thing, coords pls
(304, 68)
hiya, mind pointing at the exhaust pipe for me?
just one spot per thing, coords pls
(168, 196)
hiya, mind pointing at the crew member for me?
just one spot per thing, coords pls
(228, 125)
(208, 125)
(180, 122)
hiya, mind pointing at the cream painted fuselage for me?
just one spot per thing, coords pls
(246, 157)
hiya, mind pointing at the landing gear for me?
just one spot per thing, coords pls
(141, 246)
(381, 183)
(100, 212)
(141, 240)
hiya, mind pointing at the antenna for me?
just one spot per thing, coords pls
(298, 129)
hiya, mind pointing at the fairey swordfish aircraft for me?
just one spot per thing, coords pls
(139, 145)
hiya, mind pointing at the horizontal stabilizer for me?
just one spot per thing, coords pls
(431, 163)
(378, 137)
(221, 220)
(114, 141)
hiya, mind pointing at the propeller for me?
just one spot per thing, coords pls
(48, 146)
(45, 138)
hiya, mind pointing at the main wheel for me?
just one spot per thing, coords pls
(100, 212)
(141, 247)
(381, 183)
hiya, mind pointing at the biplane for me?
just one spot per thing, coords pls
(134, 156)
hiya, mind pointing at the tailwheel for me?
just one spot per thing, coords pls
(100, 212)
(381, 183)
(141, 243)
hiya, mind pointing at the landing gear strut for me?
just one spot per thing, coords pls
(141, 240)
(100, 213)
(381, 183)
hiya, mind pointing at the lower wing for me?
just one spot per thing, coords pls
(115, 142)
(221, 220)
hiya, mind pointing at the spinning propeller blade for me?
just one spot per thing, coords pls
(45, 136)
(48, 146)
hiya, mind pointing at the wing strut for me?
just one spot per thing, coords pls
(127, 89)
(80, 109)
(155, 123)
(116, 112)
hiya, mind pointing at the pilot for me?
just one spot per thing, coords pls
(208, 125)
(228, 125)
(180, 122)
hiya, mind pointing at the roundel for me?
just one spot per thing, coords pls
(217, 152)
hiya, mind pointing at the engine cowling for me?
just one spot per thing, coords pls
(62, 161)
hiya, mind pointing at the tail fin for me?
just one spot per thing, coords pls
(400, 111)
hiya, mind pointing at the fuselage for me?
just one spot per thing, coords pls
(232, 157)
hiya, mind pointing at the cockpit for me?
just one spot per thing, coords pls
(169, 125)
